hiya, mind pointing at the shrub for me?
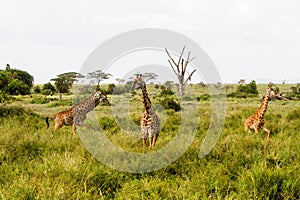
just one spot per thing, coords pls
(295, 91)
(121, 89)
(166, 92)
(3, 97)
(11, 111)
(37, 89)
(162, 87)
(244, 91)
(15, 82)
(16, 87)
(110, 88)
(170, 103)
(47, 92)
(108, 124)
(42, 100)
(203, 97)
(67, 102)
(250, 88)
(48, 88)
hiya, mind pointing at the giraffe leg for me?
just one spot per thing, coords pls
(153, 140)
(247, 129)
(80, 123)
(144, 142)
(57, 125)
(151, 137)
(256, 129)
(74, 129)
(85, 125)
(144, 136)
(267, 130)
(150, 142)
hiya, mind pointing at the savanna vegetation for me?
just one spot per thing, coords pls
(38, 163)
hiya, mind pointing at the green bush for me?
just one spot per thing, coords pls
(15, 82)
(295, 91)
(42, 100)
(121, 89)
(166, 92)
(67, 102)
(170, 103)
(250, 88)
(108, 124)
(3, 97)
(10, 111)
(47, 92)
(16, 87)
(203, 97)
(48, 89)
(37, 89)
(244, 91)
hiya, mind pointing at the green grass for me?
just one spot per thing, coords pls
(39, 163)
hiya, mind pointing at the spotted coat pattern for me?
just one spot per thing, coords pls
(77, 114)
(150, 123)
(256, 121)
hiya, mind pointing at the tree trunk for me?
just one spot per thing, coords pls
(179, 69)
(279, 97)
(59, 95)
(181, 86)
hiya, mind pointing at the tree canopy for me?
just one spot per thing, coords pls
(63, 82)
(15, 81)
(98, 76)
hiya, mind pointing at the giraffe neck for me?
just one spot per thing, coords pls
(90, 103)
(263, 107)
(145, 98)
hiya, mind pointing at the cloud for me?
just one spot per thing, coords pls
(155, 20)
(245, 8)
(60, 34)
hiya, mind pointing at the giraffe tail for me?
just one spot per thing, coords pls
(47, 122)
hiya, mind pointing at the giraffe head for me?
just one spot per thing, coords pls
(100, 97)
(138, 83)
(270, 91)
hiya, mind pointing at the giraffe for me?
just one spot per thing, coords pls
(77, 113)
(150, 123)
(256, 121)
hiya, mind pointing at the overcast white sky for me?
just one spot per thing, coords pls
(250, 39)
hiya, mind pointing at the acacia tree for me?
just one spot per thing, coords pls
(63, 82)
(120, 80)
(99, 76)
(149, 76)
(180, 69)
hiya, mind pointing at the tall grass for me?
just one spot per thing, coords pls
(38, 163)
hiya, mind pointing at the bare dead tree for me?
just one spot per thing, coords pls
(179, 69)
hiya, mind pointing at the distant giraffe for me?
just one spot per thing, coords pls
(256, 121)
(77, 114)
(241, 81)
(150, 123)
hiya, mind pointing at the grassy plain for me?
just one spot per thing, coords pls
(38, 163)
